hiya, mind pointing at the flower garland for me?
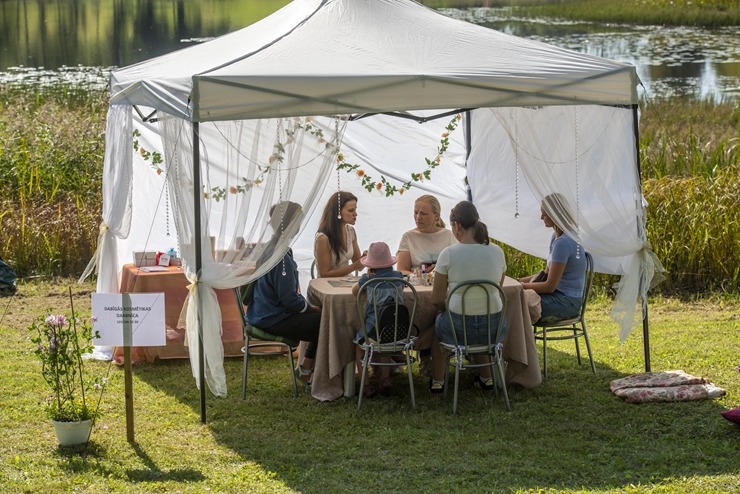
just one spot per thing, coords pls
(278, 155)
(370, 184)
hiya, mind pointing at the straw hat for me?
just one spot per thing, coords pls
(378, 256)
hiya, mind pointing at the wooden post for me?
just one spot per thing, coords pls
(129, 394)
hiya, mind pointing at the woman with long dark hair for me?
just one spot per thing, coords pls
(335, 247)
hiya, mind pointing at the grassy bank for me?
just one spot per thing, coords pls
(708, 13)
(52, 153)
(569, 435)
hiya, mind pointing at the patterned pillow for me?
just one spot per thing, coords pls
(733, 415)
(673, 385)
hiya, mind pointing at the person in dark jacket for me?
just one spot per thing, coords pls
(278, 306)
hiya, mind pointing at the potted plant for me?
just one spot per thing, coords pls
(73, 404)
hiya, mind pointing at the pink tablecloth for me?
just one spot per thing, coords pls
(174, 286)
(340, 322)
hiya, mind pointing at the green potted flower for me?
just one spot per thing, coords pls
(73, 404)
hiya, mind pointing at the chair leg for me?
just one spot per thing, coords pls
(446, 379)
(292, 372)
(499, 363)
(544, 352)
(588, 347)
(245, 366)
(365, 365)
(578, 347)
(458, 371)
(410, 372)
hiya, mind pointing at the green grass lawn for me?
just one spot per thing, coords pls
(568, 435)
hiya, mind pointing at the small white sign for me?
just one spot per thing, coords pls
(129, 319)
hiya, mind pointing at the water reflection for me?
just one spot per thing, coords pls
(671, 61)
(79, 41)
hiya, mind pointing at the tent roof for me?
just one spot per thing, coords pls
(327, 57)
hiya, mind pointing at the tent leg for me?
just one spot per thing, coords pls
(645, 325)
(646, 336)
(198, 264)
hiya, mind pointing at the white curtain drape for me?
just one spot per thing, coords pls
(248, 170)
(117, 186)
(579, 152)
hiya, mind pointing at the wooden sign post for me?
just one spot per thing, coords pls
(129, 319)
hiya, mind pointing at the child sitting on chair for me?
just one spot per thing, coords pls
(379, 263)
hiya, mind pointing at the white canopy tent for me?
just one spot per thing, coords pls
(230, 119)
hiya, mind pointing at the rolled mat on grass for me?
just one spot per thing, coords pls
(674, 385)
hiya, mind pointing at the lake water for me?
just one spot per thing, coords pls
(80, 41)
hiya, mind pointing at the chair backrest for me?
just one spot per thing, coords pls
(393, 323)
(589, 281)
(246, 293)
(313, 269)
(467, 289)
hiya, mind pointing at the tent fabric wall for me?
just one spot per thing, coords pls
(542, 119)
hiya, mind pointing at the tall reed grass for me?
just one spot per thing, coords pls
(685, 138)
(51, 156)
(694, 227)
(708, 13)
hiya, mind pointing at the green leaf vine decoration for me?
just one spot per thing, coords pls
(154, 156)
(384, 185)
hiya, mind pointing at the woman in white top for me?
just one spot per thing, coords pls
(423, 244)
(335, 247)
(473, 258)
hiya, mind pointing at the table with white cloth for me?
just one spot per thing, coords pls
(173, 283)
(334, 366)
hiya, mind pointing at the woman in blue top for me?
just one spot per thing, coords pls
(561, 289)
(278, 306)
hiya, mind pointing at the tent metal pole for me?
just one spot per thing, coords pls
(645, 324)
(468, 149)
(198, 265)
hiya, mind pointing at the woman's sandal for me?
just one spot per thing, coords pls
(303, 375)
(486, 385)
(436, 387)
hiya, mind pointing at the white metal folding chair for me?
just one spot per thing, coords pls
(568, 329)
(392, 337)
(461, 352)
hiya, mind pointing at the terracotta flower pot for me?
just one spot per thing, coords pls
(72, 433)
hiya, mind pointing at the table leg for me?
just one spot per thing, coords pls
(349, 380)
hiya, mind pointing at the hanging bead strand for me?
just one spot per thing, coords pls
(167, 207)
(578, 196)
(516, 152)
(280, 194)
